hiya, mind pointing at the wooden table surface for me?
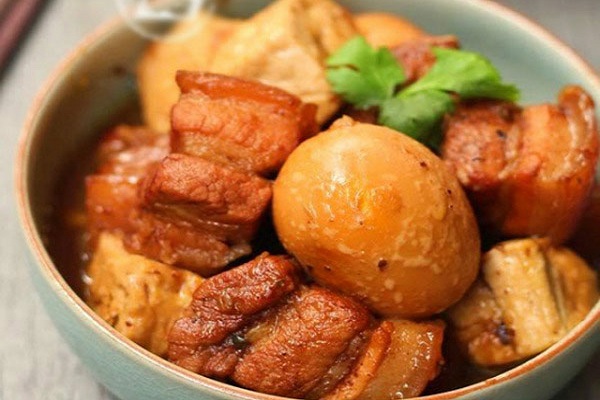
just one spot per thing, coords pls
(35, 363)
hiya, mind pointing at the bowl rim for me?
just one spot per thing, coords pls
(127, 347)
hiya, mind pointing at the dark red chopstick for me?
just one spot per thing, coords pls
(4, 6)
(15, 16)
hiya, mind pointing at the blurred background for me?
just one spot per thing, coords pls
(35, 363)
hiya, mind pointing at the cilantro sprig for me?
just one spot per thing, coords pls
(367, 77)
(364, 76)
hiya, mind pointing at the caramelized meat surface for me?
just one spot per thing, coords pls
(259, 326)
(181, 244)
(176, 209)
(129, 150)
(199, 206)
(110, 201)
(291, 351)
(225, 304)
(113, 205)
(241, 123)
(529, 171)
(400, 358)
(207, 195)
(412, 360)
(416, 56)
(139, 297)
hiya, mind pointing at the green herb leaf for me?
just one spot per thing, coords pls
(367, 77)
(362, 75)
(416, 114)
(466, 73)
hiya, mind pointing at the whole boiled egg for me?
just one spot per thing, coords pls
(374, 214)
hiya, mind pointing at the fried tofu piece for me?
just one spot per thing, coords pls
(285, 45)
(139, 297)
(482, 334)
(245, 124)
(527, 171)
(575, 282)
(528, 298)
(191, 45)
(517, 274)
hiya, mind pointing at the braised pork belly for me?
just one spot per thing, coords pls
(245, 124)
(262, 327)
(218, 199)
(197, 206)
(416, 55)
(528, 171)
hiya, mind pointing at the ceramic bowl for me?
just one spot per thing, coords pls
(88, 92)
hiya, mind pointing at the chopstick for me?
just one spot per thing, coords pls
(15, 17)
(4, 6)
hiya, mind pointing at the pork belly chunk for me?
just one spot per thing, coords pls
(216, 198)
(399, 360)
(416, 56)
(123, 158)
(139, 297)
(527, 171)
(245, 124)
(177, 209)
(181, 244)
(478, 140)
(260, 326)
(110, 202)
(290, 352)
(128, 150)
(209, 338)
(113, 205)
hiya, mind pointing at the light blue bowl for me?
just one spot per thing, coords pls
(85, 94)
